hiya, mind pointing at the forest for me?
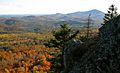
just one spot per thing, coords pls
(26, 49)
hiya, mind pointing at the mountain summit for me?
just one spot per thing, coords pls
(94, 13)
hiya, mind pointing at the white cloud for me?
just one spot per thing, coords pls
(53, 6)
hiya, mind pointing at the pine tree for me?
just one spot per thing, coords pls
(112, 13)
(61, 39)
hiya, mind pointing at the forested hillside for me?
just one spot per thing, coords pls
(39, 23)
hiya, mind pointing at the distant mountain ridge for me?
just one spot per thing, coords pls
(41, 22)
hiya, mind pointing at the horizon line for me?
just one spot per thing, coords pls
(50, 13)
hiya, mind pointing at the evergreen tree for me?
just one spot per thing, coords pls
(112, 13)
(61, 38)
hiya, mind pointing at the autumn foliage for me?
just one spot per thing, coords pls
(24, 53)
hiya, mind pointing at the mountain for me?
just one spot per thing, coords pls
(94, 13)
(43, 22)
(78, 18)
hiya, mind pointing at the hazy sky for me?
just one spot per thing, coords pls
(53, 6)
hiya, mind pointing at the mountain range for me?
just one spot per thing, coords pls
(47, 22)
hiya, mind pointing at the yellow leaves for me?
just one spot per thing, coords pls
(35, 68)
(43, 57)
(21, 69)
(6, 70)
(22, 55)
(30, 57)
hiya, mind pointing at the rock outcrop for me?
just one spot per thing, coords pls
(104, 57)
(69, 53)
